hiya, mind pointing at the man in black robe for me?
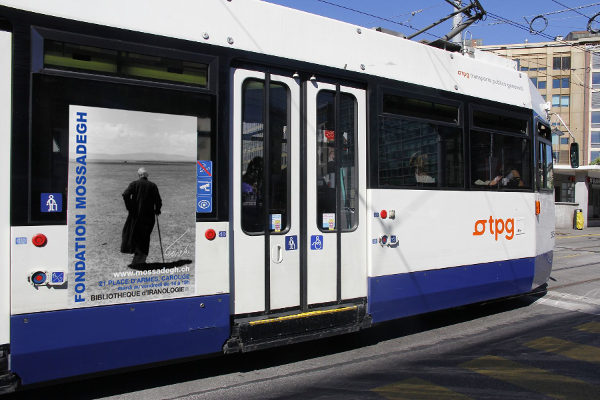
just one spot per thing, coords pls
(143, 202)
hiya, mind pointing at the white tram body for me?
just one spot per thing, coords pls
(394, 216)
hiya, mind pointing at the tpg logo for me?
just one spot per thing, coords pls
(497, 227)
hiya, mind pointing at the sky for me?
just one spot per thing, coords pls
(409, 16)
(118, 132)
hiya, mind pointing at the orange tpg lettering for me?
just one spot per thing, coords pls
(496, 227)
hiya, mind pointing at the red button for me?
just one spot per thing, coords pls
(383, 214)
(39, 240)
(210, 234)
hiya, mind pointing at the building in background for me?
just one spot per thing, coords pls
(567, 74)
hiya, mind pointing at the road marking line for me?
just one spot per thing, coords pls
(577, 236)
(535, 379)
(574, 255)
(419, 389)
(565, 348)
(593, 327)
(570, 302)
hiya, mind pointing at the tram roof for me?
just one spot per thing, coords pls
(266, 28)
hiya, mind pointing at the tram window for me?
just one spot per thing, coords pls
(500, 161)
(79, 58)
(52, 98)
(409, 107)
(253, 154)
(545, 162)
(498, 122)
(328, 176)
(422, 154)
(545, 171)
(544, 131)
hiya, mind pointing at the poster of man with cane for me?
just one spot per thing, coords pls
(143, 202)
(113, 254)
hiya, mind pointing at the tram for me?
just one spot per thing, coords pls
(182, 179)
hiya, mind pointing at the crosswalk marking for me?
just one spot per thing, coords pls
(539, 380)
(570, 302)
(565, 348)
(592, 327)
(417, 389)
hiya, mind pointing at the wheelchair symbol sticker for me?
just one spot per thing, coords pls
(316, 242)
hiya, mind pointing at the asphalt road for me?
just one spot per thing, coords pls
(533, 347)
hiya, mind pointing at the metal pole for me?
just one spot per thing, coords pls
(160, 240)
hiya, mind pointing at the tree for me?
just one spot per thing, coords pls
(596, 161)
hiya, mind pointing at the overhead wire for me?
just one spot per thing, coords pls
(565, 10)
(570, 8)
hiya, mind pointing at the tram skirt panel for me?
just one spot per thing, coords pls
(61, 344)
(402, 295)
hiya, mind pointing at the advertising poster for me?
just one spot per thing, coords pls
(131, 206)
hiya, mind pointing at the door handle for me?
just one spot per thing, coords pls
(277, 254)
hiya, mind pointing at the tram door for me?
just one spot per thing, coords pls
(298, 215)
(336, 264)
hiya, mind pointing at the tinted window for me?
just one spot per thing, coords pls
(79, 58)
(253, 156)
(420, 153)
(500, 161)
(337, 176)
(499, 122)
(419, 108)
(52, 97)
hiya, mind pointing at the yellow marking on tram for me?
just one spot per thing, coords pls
(303, 315)
(535, 379)
(593, 327)
(418, 389)
(565, 348)
(577, 236)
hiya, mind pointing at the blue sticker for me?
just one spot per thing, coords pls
(291, 242)
(222, 233)
(204, 169)
(316, 242)
(376, 215)
(375, 241)
(58, 277)
(393, 239)
(204, 204)
(204, 186)
(51, 202)
(21, 240)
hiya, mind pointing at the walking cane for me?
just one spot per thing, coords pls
(160, 240)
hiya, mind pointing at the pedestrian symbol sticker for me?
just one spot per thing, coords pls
(51, 202)
(316, 242)
(291, 242)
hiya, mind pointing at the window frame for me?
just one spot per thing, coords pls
(40, 35)
(381, 90)
(541, 140)
(527, 135)
(265, 172)
(338, 91)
